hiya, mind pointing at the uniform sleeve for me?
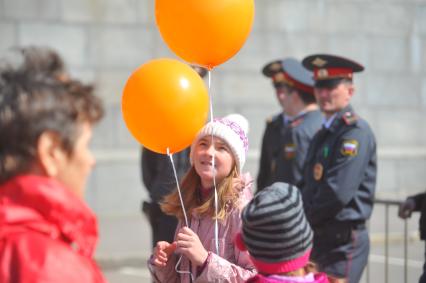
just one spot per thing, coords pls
(265, 163)
(343, 176)
(148, 167)
(302, 144)
(418, 199)
(218, 269)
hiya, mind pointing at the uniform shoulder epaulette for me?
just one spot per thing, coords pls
(350, 118)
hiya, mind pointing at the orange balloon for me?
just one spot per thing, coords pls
(205, 32)
(165, 103)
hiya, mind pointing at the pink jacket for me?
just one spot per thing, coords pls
(230, 265)
(318, 278)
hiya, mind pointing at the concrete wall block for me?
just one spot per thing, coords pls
(85, 75)
(420, 18)
(288, 15)
(387, 19)
(411, 175)
(69, 41)
(353, 46)
(117, 46)
(257, 118)
(110, 84)
(256, 90)
(390, 53)
(340, 17)
(2, 9)
(399, 127)
(160, 48)
(387, 176)
(393, 90)
(103, 133)
(112, 131)
(35, 9)
(124, 139)
(299, 45)
(423, 52)
(115, 188)
(146, 11)
(252, 55)
(109, 11)
(8, 36)
(423, 93)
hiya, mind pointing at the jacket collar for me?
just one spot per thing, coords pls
(338, 120)
(43, 204)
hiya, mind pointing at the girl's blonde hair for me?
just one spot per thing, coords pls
(191, 195)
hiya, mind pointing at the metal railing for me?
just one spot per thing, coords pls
(387, 204)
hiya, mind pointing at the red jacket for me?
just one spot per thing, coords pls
(47, 234)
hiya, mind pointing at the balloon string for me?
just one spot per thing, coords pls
(216, 225)
(183, 271)
(184, 212)
(178, 187)
(210, 96)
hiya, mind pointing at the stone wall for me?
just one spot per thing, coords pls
(104, 40)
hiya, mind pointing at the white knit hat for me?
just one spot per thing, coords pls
(233, 129)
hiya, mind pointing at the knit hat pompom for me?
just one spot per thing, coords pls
(275, 230)
(233, 130)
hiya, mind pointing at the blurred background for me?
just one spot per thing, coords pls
(103, 41)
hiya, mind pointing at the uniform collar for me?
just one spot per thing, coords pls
(334, 121)
(290, 119)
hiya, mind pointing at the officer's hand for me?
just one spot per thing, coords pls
(190, 245)
(162, 252)
(406, 208)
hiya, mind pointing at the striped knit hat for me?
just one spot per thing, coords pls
(275, 230)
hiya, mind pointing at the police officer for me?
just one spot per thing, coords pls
(287, 136)
(416, 203)
(339, 173)
(159, 179)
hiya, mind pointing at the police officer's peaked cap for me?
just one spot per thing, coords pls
(272, 68)
(331, 67)
(290, 72)
(200, 70)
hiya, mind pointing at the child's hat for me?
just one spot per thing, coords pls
(233, 129)
(275, 230)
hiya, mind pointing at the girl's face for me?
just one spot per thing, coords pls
(203, 160)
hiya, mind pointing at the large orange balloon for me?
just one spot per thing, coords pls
(204, 32)
(165, 103)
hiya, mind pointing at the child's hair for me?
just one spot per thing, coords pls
(227, 197)
(233, 130)
(275, 230)
(37, 95)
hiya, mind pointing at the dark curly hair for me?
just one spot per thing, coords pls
(38, 95)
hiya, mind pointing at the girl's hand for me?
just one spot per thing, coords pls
(190, 245)
(162, 252)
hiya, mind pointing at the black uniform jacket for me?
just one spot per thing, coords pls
(340, 172)
(420, 200)
(157, 172)
(284, 148)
